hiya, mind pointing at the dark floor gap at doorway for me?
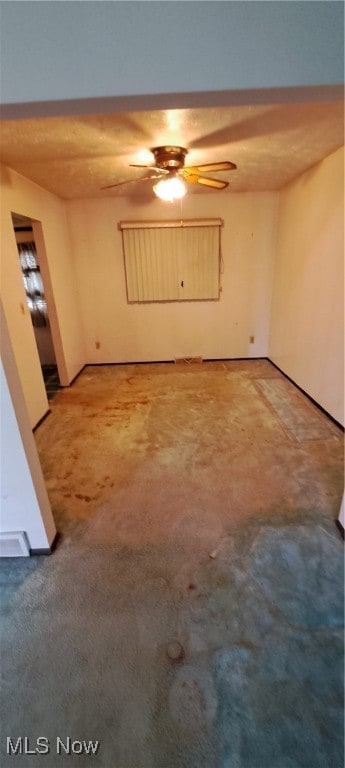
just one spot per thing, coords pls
(51, 380)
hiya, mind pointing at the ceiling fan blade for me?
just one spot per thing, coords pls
(195, 178)
(226, 165)
(149, 167)
(130, 181)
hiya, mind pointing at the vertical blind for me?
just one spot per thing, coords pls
(172, 261)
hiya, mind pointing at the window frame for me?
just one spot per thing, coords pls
(134, 295)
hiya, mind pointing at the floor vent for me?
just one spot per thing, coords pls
(188, 360)
(14, 544)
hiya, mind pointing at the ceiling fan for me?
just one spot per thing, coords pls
(170, 169)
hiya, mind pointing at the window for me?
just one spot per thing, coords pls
(173, 260)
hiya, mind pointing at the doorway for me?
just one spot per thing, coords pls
(36, 301)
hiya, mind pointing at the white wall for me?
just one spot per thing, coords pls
(122, 50)
(307, 323)
(163, 331)
(19, 195)
(24, 500)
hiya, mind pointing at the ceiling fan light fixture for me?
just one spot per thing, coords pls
(170, 189)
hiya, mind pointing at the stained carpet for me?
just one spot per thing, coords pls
(191, 512)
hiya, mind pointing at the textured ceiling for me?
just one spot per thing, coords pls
(75, 156)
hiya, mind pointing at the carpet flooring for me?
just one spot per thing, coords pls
(192, 613)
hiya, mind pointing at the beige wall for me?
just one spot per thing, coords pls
(307, 322)
(164, 331)
(21, 196)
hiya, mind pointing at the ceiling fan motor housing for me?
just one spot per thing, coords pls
(169, 158)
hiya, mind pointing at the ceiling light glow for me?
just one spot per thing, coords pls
(170, 189)
(143, 156)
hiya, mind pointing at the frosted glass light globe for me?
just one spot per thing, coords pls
(170, 189)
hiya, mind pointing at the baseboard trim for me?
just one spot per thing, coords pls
(329, 415)
(41, 420)
(74, 377)
(232, 359)
(46, 550)
(128, 362)
(172, 360)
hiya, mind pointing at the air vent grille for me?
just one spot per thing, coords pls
(14, 544)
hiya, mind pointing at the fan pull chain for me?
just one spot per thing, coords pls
(181, 206)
